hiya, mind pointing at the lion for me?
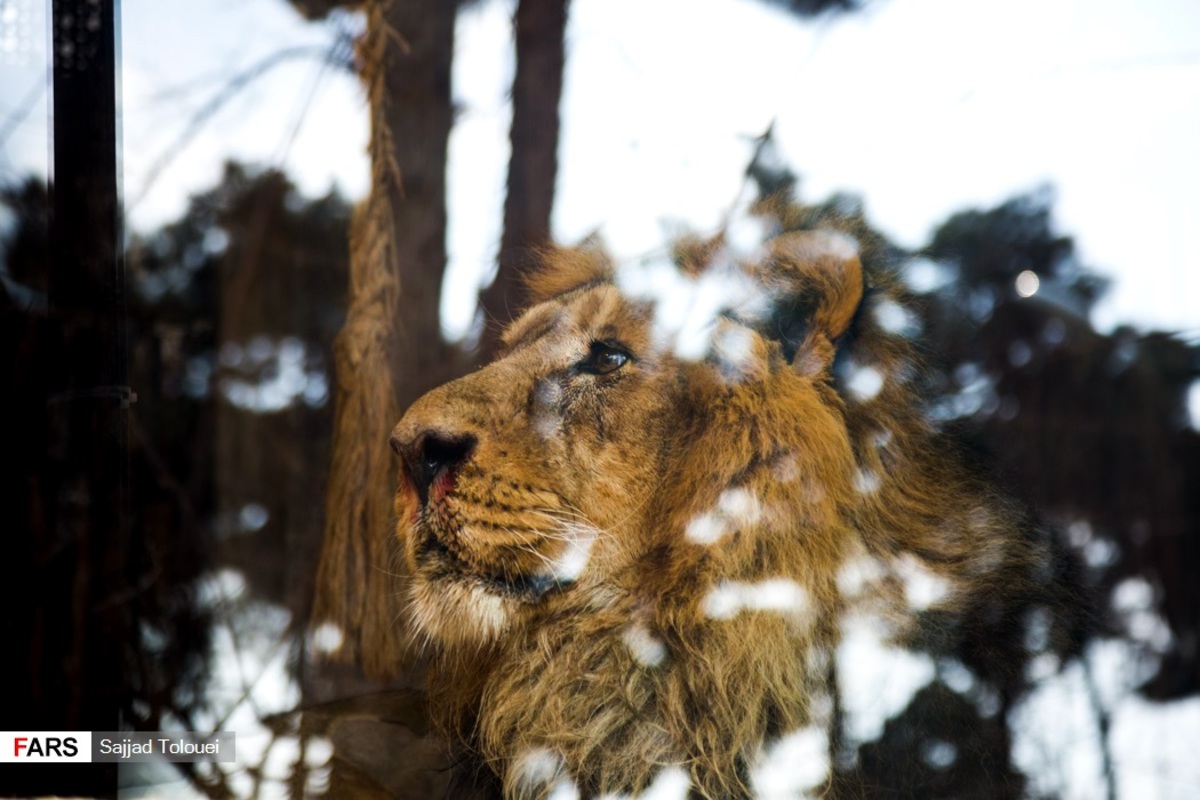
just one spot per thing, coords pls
(632, 539)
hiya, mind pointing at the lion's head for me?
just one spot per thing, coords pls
(631, 538)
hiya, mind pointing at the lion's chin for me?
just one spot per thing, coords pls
(460, 614)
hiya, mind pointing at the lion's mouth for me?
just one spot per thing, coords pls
(444, 564)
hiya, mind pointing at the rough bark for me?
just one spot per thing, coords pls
(390, 350)
(533, 166)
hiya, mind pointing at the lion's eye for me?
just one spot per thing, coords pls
(602, 359)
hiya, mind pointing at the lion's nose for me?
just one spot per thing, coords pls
(430, 455)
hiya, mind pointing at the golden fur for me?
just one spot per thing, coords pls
(631, 570)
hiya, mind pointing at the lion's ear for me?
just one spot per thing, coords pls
(816, 280)
(565, 268)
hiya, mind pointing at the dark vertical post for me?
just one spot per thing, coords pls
(87, 298)
(533, 166)
(78, 592)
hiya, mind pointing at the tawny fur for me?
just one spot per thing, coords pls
(696, 529)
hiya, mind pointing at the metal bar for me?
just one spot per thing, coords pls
(81, 633)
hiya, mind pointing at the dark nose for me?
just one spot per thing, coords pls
(432, 454)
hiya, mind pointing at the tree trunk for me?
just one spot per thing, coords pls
(390, 350)
(533, 166)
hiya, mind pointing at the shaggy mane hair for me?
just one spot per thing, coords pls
(633, 538)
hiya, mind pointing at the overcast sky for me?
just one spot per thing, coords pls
(922, 107)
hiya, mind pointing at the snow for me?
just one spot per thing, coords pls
(547, 420)
(1133, 602)
(277, 375)
(739, 504)
(707, 528)
(864, 382)
(924, 275)
(923, 588)
(251, 679)
(729, 598)
(939, 754)
(877, 679)
(1027, 283)
(1056, 741)
(867, 481)
(798, 762)
(733, 349)
(327, 638)
(647, 649)
(857, 574)
(895, 318)
(570, 564)
(564, 790)
(537, 766)
(736, 509)
(687, 308)
(1193, 405)
(672, 783)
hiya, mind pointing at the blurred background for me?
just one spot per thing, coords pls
(1033, 165)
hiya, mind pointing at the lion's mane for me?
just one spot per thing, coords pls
(633, 539)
